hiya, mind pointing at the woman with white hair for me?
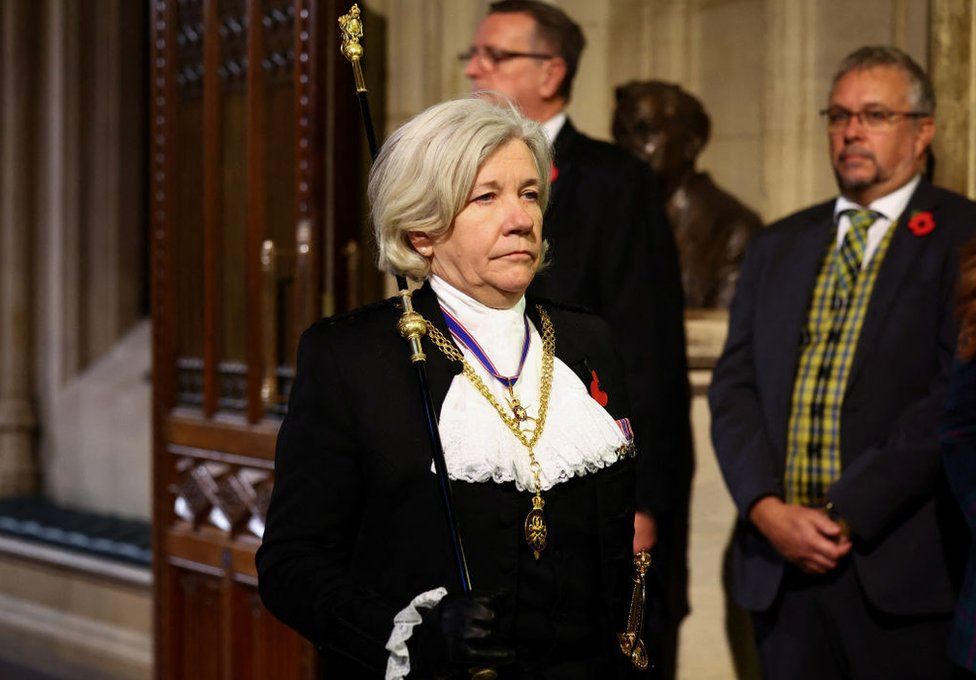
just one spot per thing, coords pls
(532, 414)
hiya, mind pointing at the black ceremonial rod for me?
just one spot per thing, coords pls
(411, 325)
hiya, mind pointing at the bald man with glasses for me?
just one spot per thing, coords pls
(613, 252)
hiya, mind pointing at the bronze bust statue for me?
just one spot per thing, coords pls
(667, 127)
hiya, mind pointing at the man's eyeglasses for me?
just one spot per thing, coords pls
(491, 57)
(878, 118)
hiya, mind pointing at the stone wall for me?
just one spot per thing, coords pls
(73, 253)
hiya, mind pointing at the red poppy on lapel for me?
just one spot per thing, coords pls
(553, 173)
(599, 395)
(921, 222)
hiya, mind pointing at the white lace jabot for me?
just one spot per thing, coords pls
(579, 436)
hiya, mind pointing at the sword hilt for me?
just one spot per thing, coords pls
(630, 640)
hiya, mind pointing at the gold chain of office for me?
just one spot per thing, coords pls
(535, 524)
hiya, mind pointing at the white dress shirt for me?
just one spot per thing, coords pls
(552, 126)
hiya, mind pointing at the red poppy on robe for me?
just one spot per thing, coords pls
(553, 173)
(599, 395)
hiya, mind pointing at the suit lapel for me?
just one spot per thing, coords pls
(786, 301)
(902, 253)
(563, 149)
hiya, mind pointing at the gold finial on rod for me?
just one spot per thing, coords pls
(351, 27)
(269, 323)
(412, 327)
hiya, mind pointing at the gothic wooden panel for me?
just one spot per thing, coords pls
(308, 233)
(168, 209)
(257, 192)
(281, 173)
(235, 156)
(195, 624)
(263, 643)
(212, 204)
(253, 442)
(187, 243)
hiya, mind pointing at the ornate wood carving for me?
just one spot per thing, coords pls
(189, 44)
(189, 381)
(212, 492)
(278, 22)
(232, 28)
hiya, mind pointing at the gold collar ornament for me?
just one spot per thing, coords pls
(535, 529)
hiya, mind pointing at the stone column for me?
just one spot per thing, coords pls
(792, 142)
(952, 66)
(17, 419)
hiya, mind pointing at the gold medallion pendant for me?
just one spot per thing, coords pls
(536, 531)
(518, 411)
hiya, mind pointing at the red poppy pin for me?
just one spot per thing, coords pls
(553, 173)
(921, 222)
(599, 395)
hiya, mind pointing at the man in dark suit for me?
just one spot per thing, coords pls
(613, 252)
(826, 400)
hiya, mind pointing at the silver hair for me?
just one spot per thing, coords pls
(871, 56)
(423, 175)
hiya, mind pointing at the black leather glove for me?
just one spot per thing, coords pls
(456, 635)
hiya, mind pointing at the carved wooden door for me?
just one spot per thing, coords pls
(256, 215)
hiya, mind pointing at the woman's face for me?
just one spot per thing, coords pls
(493, 248)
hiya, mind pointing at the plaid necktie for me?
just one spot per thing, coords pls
(852, 248)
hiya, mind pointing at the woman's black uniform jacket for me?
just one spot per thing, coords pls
(355, 529)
